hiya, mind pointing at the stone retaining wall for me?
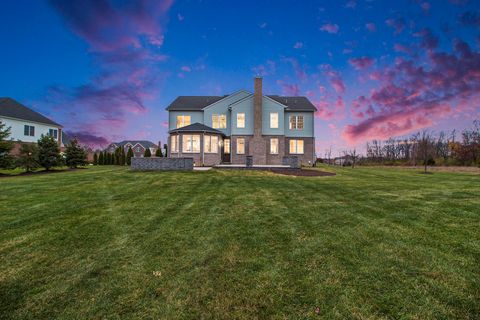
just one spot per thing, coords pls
(156, 164)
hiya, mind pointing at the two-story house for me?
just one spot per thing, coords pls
(225, 129)
(26, 125)
(138, 147)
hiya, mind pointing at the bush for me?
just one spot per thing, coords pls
(129, 156)
(147, 153)
(6, 160)
(28, 158)
(158, 153)
(48, 152)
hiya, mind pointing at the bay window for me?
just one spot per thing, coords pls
(191, 143)
(296, 146)
(173, 144)
(210, 144)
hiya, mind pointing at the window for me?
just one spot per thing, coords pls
(226, 146)
(219, 121)
(138, 149)
(29, 130)
(191, 143)
(183, 121)
(296, 122)
(53, 133)
(296, 146)
(274, 146)
(274, 120)
(174, 144)
(240, 146)
(240, 120)
(211, 144)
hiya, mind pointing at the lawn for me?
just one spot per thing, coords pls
(368, 243)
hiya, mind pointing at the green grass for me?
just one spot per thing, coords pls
(365, 244)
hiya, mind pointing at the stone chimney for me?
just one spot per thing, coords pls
(257, 107)
(257, 146)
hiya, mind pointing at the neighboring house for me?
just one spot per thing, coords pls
(225, 129)
(138, 147)
(26, 125)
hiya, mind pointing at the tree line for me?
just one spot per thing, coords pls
(120, 158)
(45, 153)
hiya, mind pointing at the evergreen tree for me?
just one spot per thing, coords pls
(75, 155)
(165, 146)
(95, 159)
(147, 153)
(129, 156)
(100, 158)
(116, 157)
(28, 158)
(122, 157)
(6, 160)
(158, 153)
(48, 152)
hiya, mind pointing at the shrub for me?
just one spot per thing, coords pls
(129, 156)
(158, 153)
(6, 160)
(95, 159)
(28, 158)
(48, 152)
(100, 159)
(147, 153)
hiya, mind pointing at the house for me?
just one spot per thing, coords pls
(226, 129)
(26, 125)
(138, 147)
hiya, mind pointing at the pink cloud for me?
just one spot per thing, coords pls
(402, 48)
(289, 89)
(398, 24)
(330, 28)
(361, 63)
(371, 27)
(269, 68)
(186, 68)
(298, 45)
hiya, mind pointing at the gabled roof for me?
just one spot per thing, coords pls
(193, 103)
(296, 103)
(196, 127)
(143, 143)
(12, 109)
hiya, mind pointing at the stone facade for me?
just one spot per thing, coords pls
(291, 161)
(146, 164)
(307, 158)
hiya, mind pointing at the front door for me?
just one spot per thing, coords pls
(226, 150)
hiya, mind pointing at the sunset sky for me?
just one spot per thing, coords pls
(107, 69)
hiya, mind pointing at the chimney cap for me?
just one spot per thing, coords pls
(258, 77)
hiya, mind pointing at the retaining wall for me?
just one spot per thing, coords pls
(156, 164)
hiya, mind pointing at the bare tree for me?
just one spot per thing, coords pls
(425, 145)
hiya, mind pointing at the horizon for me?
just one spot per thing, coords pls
(106, 70)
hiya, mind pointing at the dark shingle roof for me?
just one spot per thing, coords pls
(13, 109)
(295, 103)
(144, 143)
(196, 127)
(193, 103)
(197, 103)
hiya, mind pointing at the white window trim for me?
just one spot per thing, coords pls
(271, 114)
(294, 125)
(296, 146)
(278, 146)
(216, 144)
(183, 121)
(174, 143)
(218, 125)
(199, 143)
(238, 126)
(236, 146)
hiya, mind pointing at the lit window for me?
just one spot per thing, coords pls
(29, 130)
(274, 120)
(274, 146)
(296, 122)
(53, 133)
(191, 143)
(240, 120)
(174, 144)
(211, 144)
(240, 146)
(296, 146)
(226, 146)
(219, 121)
(183, 121)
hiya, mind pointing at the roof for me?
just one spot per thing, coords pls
(13, 109)
(296, 103)
(144, 143)
(193, 103)
(197, 103)
(196, 127)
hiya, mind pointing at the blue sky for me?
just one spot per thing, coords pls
(374, 69)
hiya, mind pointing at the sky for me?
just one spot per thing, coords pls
(107, 69)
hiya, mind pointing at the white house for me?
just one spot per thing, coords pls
(25, 124)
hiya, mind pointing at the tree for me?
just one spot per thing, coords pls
(147, 153)
(129, 156)
(100, 159)
(6, 160)
(75, 155)
(158, 153)
(122, 157)
(425, 146)
(95, 159)
(165, 146)
(48, 152)
(28, 158)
